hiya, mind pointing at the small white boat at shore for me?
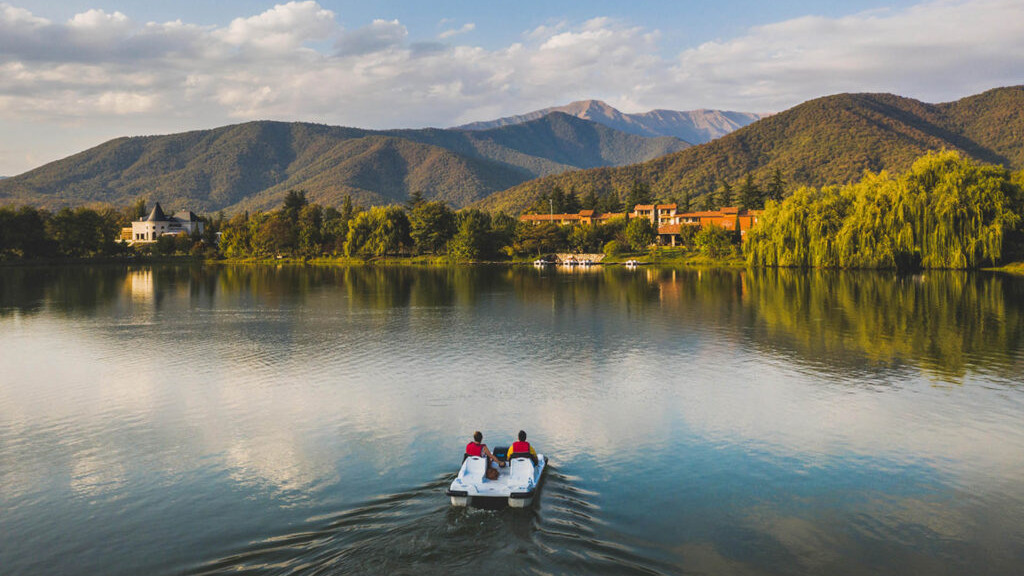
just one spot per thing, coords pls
(632, 263)
(517, 482)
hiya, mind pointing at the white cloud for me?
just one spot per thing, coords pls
(468, 27)
(296, 61)
(282, 28)
(937, 50)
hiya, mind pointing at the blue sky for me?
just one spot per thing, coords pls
(79, 72)
(683, 23)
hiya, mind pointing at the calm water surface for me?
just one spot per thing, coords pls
(261, 420)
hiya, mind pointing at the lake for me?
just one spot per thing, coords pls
(306, 420)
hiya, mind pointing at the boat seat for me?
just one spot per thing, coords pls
(475, 467)
(530, 455)
(520, 469)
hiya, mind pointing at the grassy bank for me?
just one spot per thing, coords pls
(1012, 268)
(92, 260)
(663, 256)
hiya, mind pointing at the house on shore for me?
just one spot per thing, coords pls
(158, 224)
(665, 218)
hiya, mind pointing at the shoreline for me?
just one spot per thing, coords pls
(688, 260)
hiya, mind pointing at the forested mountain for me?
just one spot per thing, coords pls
(252, 165)
(693, 126)
(830, 140)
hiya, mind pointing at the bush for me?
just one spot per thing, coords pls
(165, 245)
(640, 233)
(612, 248)
(714, 241)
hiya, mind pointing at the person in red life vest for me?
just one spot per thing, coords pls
(523, 448)
(478, 448)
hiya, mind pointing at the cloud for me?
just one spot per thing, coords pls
(379, 36)
(283, 28)
(468, 27)
(936, 50)
(296, 61)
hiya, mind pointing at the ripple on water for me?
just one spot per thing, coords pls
(417, 532)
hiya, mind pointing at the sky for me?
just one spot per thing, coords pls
(75, 73)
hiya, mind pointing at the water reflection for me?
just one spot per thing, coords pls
(246, 418)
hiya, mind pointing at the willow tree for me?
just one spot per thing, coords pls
(946, 212)
(799, 231)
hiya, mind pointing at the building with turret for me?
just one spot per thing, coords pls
(158, 224)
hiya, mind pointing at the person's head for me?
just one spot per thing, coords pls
(522, 436)
(478, 437)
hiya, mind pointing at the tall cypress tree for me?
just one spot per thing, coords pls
(750, 197)
(725, 196)
(710, 201)
(684, 202)
(776, 186)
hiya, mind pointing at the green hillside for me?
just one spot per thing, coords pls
(829, 140)
(252, 165)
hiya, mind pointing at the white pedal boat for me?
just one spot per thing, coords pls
(517, 482)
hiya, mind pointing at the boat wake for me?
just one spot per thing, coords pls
(418, 532)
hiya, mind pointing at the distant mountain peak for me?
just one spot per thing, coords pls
(694, 126)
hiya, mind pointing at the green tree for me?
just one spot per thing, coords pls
(610, 203)
(776, 187)
(415, 199)
(472, 241)
(584, 238)
(639, 193)
(685, 202)
(431, 226)
(23, 233)
(503, 231)
(612, 248)
(294, 202)
(709, 201)
(137, 210)
(236, 237)
(82, 232)
(274, 236)
(640, 233)
(379, 231)
(165, 245)
(725, 196)
(538, 239)
(714, 241)
(946, 212)
(309, 230)
(750, 197)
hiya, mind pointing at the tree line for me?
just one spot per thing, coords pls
(947, 211)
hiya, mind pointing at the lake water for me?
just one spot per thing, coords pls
(290, 420)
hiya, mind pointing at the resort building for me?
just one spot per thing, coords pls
(666, 218)
(582, 217)
(158, 224)
(730, 218)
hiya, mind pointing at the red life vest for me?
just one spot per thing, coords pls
(520, 448)
(474, 449)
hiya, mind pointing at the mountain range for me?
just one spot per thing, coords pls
(252, 166)
(693, 126)
(829, 140)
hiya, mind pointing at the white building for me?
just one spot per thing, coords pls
(158, 224)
